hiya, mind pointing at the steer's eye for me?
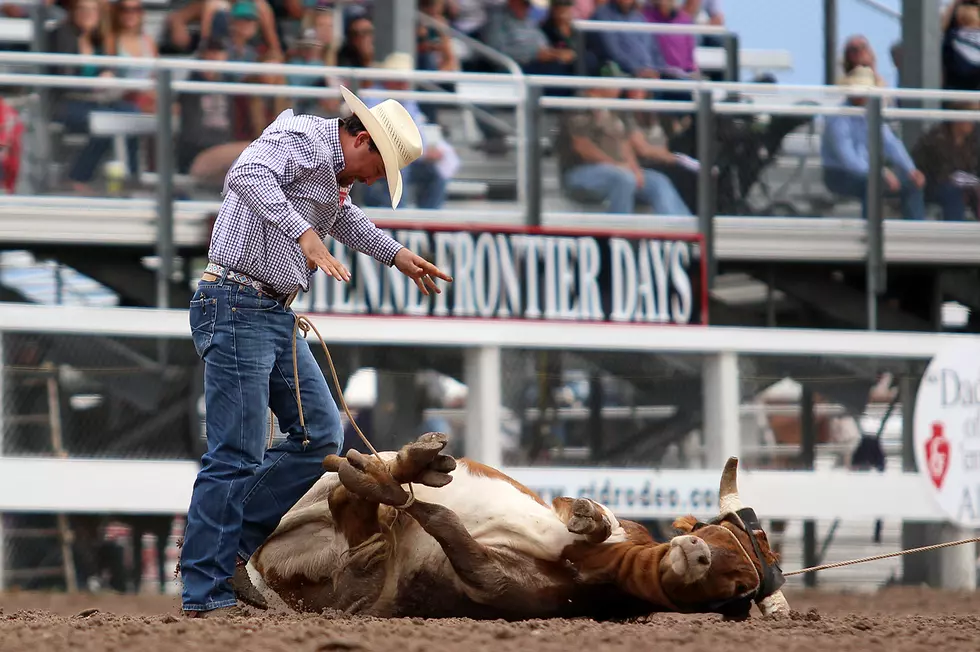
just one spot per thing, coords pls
(740, 589)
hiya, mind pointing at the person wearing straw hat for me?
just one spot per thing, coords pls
(844, 151)
(287, 191)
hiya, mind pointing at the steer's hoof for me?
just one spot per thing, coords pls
(423, 462)
(588, 520)
(245, 590)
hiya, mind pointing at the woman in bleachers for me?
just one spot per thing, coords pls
(85, 32)
(358, 48)
(127, 38)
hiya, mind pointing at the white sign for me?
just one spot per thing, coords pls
(526, 274)
(947, 432)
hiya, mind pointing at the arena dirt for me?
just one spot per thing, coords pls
(893, 620)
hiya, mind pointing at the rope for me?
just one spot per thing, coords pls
(864, 560)
(304, 324)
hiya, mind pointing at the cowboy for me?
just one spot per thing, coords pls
(287, 191)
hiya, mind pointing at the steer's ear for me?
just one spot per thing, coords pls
(332, 462)
(685, 524)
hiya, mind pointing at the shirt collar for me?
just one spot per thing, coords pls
(332, 132)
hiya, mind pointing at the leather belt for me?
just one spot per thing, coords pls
(214, 271)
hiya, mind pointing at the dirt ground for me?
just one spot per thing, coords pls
(894, 619)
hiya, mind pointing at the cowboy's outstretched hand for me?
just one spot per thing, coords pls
(420, 270)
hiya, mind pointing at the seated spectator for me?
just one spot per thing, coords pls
(206, 146)
(213, 18)
(515, 33)
(596, 160)
(358, 48)
(127, 38)
(677, 49)
(435, 47)
(946, 154)
(312, 50)
(427, 176)
(857, 53)
(637, 53)
(562, 36)
(84, 33)
(845, 155)
(961, 47)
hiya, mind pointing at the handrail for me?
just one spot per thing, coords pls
(649, 28)
(484, 49)
(881, 8)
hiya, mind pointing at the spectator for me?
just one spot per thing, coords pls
(427, 175)
(214, 18)
(128, 38)
(857, 53)
(312, 50)
(85, 33)
(358, 48)
(597, 161)
(961, 47)
(513, 32)
(677, 49)
(562, 37)
(637, 53)
(948, 154)
(435, 48)
(206, 145)
(845, 154)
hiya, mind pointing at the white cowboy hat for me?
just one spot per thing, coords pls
(394, 132)
(398, 61)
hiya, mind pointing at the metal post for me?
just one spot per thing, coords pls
(482, 374)
(41, 135)
(532, 155)
(829, 46)
(3, 413)
(706, 179)
(394, 27)
(808, 440)
(732, 64)
(165, 187)
(875, 266)
(581, 46)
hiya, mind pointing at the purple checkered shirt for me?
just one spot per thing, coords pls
(284, 183)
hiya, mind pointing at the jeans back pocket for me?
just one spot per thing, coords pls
(203, 314)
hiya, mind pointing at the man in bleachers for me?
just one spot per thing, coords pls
(845, 154)
(517, 35)
(426, 176)
(637, 53)
(598, 162)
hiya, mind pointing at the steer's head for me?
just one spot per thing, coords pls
(726, 564)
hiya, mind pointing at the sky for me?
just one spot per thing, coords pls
(797, 26)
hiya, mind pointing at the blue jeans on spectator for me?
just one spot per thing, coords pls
(242, 489)
(950, 198)
(853, 185)
(618, 185)
(75, 116)
(422, 176)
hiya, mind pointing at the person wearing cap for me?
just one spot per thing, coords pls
(284, 195)
(844, 152)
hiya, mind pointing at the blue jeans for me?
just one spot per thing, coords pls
(420, 176)
(75, 116)
(853, 185)
(951, 198)
(242, 489)
(616, 184)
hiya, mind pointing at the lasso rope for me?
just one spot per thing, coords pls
(303, 323)
(900, 553)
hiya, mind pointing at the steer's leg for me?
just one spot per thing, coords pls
(491, 578)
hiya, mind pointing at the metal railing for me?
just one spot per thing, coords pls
(709, 100)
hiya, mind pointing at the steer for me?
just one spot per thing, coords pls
(472, 542)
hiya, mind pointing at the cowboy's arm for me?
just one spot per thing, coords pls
(354, 229)
(267, 165)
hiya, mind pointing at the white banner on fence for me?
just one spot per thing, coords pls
(124, 486)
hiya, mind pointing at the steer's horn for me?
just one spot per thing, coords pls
(774, 605)
(728, 493)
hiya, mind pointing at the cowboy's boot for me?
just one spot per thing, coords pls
(243, 587)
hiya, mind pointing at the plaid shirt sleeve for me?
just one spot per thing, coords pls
(267, 165)
(354, 229)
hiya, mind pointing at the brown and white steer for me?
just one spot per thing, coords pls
(475, 543)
